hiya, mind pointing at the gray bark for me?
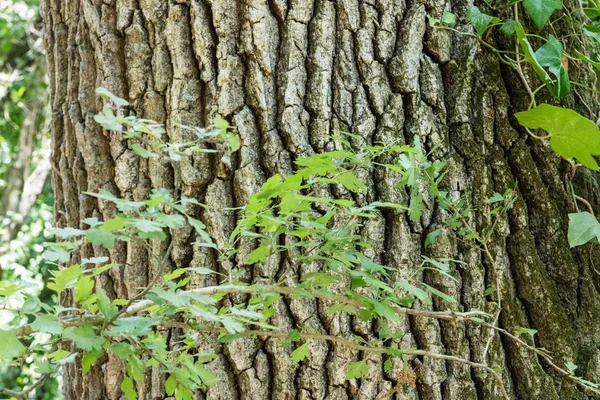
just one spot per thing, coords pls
(287, 73)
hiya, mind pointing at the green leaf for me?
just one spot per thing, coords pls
(84, 337)
(170, 385)
(142, 152)
(550, 55)
(415, 291)
(300, 353)
(592, 31)
(48, 324)
(104, 304)
(89, 359)
(439, 293)
(133, 326)
(84, 287)
(99, 237)
(64, 278)
(508, 27)
(572, 136)
(529, 56)
(585, 58)
(571, 367)
(583, 227)
(480, 20)
(449, 19)
(357, 370)
(119, 102)
(114, 224)
(541, 10)
(430, 239)
(128, 389)
(10, 346)
(351, 182)
(259, 254)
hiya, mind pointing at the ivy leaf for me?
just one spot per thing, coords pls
(10, 347)
(592, 31)
(572, 136)
(300, 353)
(480, 20)
(529, 56)
(508, 27)
(585, 58)
(583, 227)
(550, 55)
(357, 370)
(541, 10)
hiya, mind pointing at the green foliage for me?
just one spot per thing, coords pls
(480, 21)
(571, 135)
(540, 11)
(583, 227)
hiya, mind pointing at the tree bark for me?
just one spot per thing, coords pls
(287, 73)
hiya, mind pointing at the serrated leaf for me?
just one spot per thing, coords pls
(104, 304)
(100, 237)
(10, 346)
(351, 182)
(430, 239)
(583, 227)
(259, 254)
(357, 370)
(300, 353)
(540, 10)
(89, 359)
(84, 337)
(572, 136)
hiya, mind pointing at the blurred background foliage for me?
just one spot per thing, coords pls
(25, 192)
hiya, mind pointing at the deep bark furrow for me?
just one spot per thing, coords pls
(286, 73)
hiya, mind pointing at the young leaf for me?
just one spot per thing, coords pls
(550, 55)
(357, 370)
(449, 19)
(300, 353)
(47, 324)
(119, 102)
(572, 136)
(541, 10)
(89, 359)
(583, 227)
(480, 20)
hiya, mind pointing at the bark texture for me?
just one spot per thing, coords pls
(286, 73)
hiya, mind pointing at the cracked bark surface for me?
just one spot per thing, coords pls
(287, 73)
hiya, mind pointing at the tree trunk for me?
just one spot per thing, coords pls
(287, 73)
